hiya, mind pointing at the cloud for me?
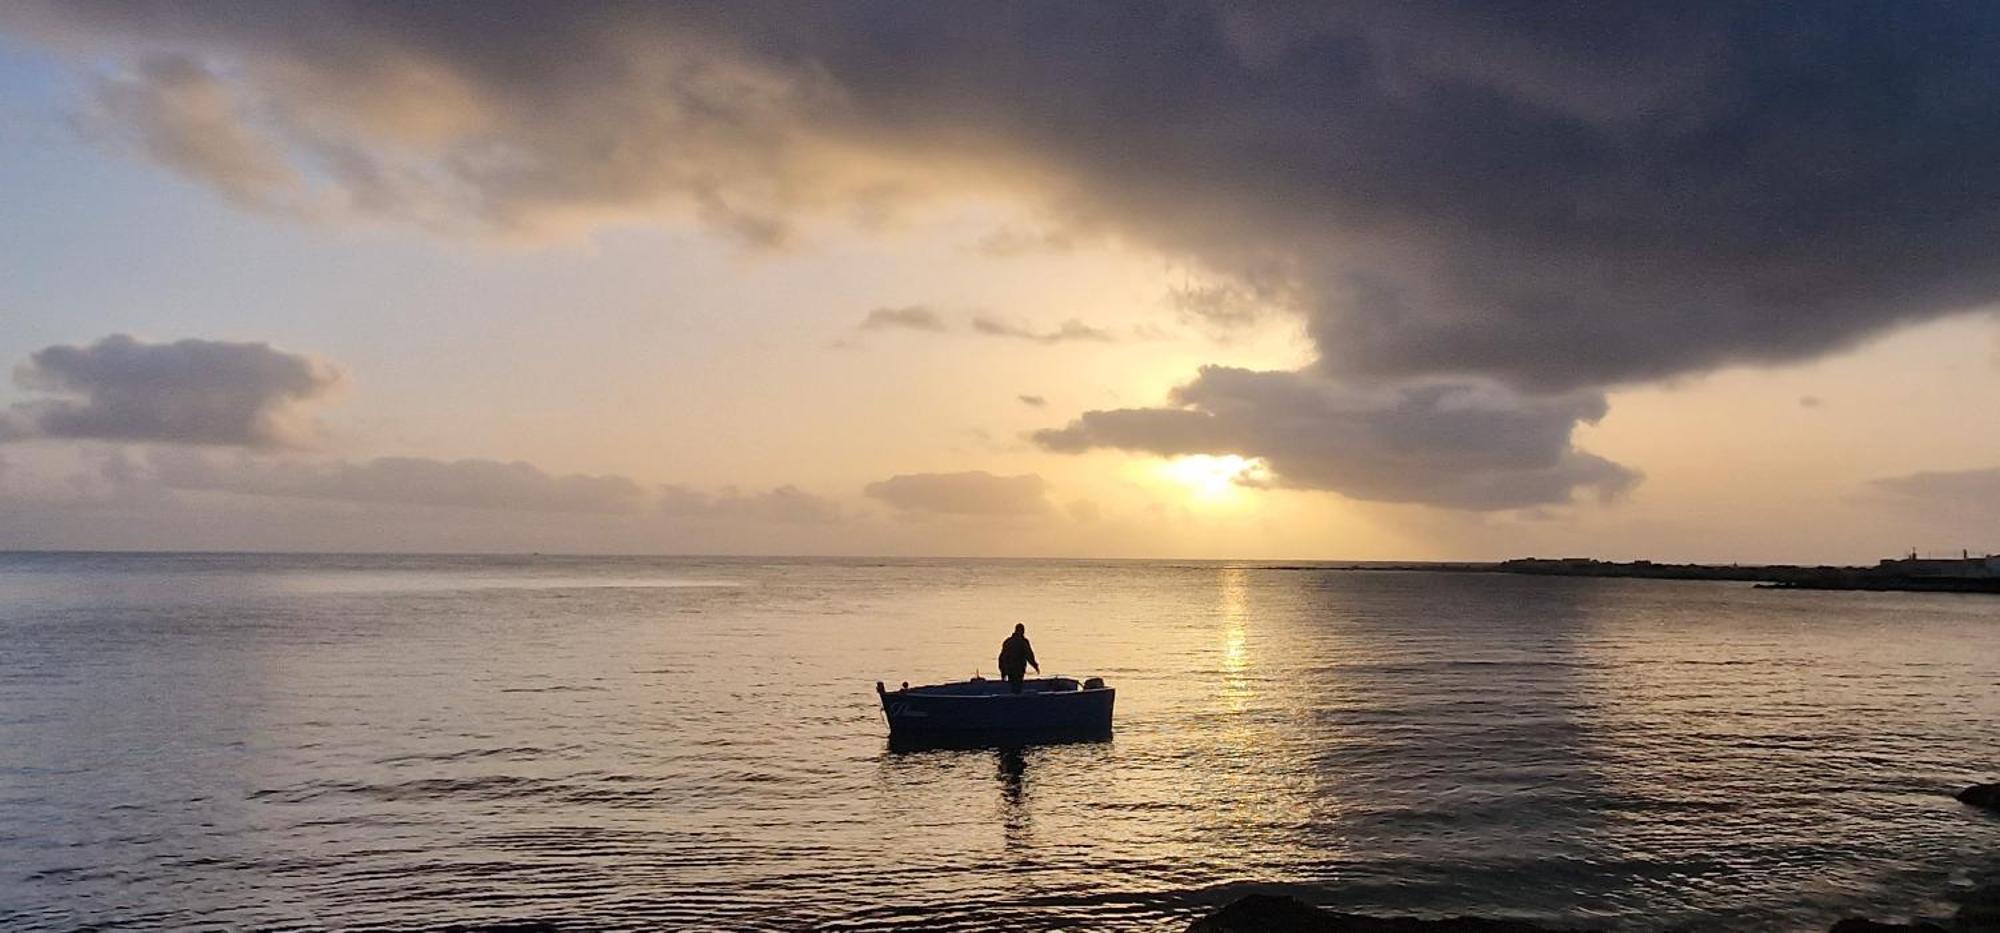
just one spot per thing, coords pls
(397, 116)
(464, 484)
(469, 484)
(1033, 401)
(928, 320)
(783, 504)
(1979, 489)
(1593, 195)
(246, 395)
(1951, 509)
(1222, 307)
(186, 392)
(1009, 242)
(15, 426)
(174, 498)
(912, 317)
(1069, 331)
(975, 493)
(177, 112)
(1460, 445)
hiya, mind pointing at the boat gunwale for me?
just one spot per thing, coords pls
(997, 691)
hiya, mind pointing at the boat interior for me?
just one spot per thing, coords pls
(982, 687)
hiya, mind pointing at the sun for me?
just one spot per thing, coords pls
(1213, 479)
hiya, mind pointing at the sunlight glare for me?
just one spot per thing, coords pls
(1210, 478)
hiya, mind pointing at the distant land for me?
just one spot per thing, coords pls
(1963, 574)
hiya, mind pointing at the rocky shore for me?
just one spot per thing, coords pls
(1888, 576)
(1978, 912)
(1272, 913)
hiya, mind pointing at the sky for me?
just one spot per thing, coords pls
(1370, 281)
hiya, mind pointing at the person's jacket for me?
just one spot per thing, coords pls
(1016, 654)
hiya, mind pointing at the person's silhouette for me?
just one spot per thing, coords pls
(1016, 656)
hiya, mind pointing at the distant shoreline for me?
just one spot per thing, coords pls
(1951, 575)
(1767, 576)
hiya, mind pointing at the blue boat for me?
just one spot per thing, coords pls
(979, 711)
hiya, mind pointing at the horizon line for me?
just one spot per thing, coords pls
(157, 552)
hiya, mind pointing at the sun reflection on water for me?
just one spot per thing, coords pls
(1235, 592)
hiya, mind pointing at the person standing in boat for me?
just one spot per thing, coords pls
(1016, 656)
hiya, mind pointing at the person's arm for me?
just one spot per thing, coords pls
(1031, 657)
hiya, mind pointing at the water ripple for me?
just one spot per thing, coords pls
(296, 743)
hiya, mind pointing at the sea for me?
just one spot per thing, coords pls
(311, 742)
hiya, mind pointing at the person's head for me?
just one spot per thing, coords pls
(1020, 629)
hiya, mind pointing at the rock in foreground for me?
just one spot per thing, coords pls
(1857, 925)
(1979, 910)
(1981, 795)
(1270, 913)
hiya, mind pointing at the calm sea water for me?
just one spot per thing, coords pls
(284, 742)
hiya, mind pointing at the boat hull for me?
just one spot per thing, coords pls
(1053, 709)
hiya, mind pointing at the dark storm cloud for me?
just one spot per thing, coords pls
(783, 504)
(186, 392)
(466, 484)
(1553, 195)
(976, 493)
(1455, 445)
